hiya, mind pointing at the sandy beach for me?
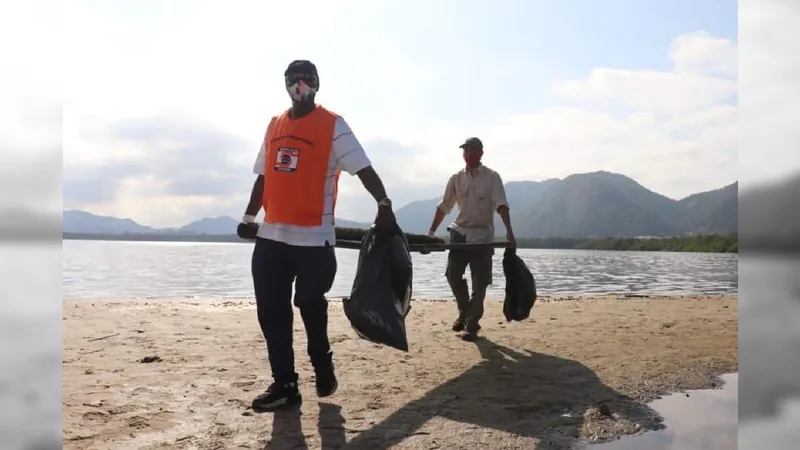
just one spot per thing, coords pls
(181, 374)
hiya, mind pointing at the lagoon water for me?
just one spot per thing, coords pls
(115, 269)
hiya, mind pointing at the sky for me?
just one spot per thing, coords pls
(164, 103)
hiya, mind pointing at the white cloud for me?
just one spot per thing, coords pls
(656, 92)
(674, 131)
(704, 54)
(694, 82)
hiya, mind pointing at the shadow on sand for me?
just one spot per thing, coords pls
(525, 394)
(287, 432)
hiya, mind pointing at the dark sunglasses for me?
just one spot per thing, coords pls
(309, 79)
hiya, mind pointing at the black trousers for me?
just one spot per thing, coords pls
(275, 266)
(470, 307)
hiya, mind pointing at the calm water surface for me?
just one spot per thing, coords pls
(706, 420)
(114, 269)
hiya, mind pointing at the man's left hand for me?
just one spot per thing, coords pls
(511, 242)
(385, 219)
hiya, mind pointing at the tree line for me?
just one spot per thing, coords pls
(708, 243)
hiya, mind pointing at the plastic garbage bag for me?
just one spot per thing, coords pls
(520, 287)
(381, 296)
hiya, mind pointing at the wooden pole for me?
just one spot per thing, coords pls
(427, 248)
(357, 234)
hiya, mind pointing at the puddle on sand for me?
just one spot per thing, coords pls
(706, 420)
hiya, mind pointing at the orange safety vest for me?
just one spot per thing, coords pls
(296, 167)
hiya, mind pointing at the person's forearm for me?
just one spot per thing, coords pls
(256, 197)
(505, 214)
(438, 217)
(372, 183)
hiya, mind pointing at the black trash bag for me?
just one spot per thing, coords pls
(520, 287)
(381, 296)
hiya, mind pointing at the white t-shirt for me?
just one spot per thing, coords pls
(347, 155)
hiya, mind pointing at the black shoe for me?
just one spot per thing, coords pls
(278, 396)
(326, 380)
(470, 335)
(458, 325)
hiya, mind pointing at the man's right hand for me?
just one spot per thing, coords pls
(385, 220)
(247, 230)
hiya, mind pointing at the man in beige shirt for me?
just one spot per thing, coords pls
(478, 192)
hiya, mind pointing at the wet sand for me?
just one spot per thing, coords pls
(181, 374)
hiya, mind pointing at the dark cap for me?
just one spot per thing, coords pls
(473, 142)
(301, 66)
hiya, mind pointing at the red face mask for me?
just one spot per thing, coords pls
(473, 159)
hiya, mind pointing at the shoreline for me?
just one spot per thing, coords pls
(673, 244)
(580, 369)
(489, 298)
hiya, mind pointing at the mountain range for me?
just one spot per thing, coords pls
(75, 221)
(597, 204)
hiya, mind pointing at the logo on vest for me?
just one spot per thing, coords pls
(286, 160)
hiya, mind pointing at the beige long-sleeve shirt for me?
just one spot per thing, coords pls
(477, 196)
